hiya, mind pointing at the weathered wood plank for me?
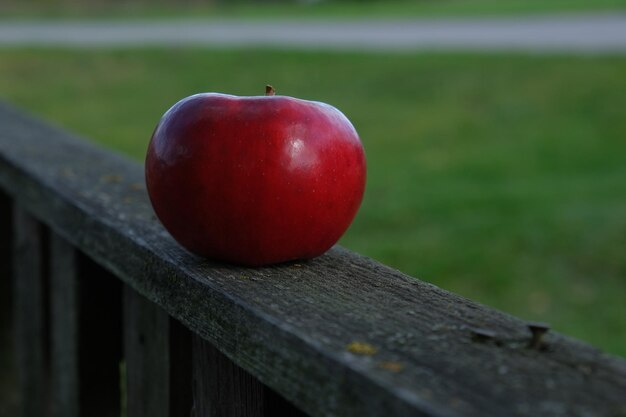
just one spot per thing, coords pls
(64, 315)
(100, 340)
(158, 360)
(146, 353)
(293, 326)
(29, 314)
(85, 334)
(221, 388)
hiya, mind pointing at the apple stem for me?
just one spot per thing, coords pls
(269, 90)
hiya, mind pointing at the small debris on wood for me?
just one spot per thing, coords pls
(391, 366)
(67, 172)
(361, 348)
(111, 178)
(482, 335)
(538, 330)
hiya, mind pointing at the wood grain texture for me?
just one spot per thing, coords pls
(294, 326)
(221, 388)
(64, 313)
(29, 314)
(146, 354)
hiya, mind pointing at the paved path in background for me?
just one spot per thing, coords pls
(593, 33)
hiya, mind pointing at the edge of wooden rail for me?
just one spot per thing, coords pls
(338, 335)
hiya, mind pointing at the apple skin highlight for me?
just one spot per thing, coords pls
(255, 180)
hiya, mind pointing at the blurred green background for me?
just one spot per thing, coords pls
(260, 9)
(501, 177)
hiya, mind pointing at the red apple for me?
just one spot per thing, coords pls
(255, 180)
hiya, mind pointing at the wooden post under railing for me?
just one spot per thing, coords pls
(147, 356)
(170, 372)
(68, 342)
(64, 328)
(29, 312)
(67, 326)
(221, 388)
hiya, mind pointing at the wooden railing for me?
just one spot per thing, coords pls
(110, 315)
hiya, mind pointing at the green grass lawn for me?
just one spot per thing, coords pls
(324, 9)
(499, 177)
